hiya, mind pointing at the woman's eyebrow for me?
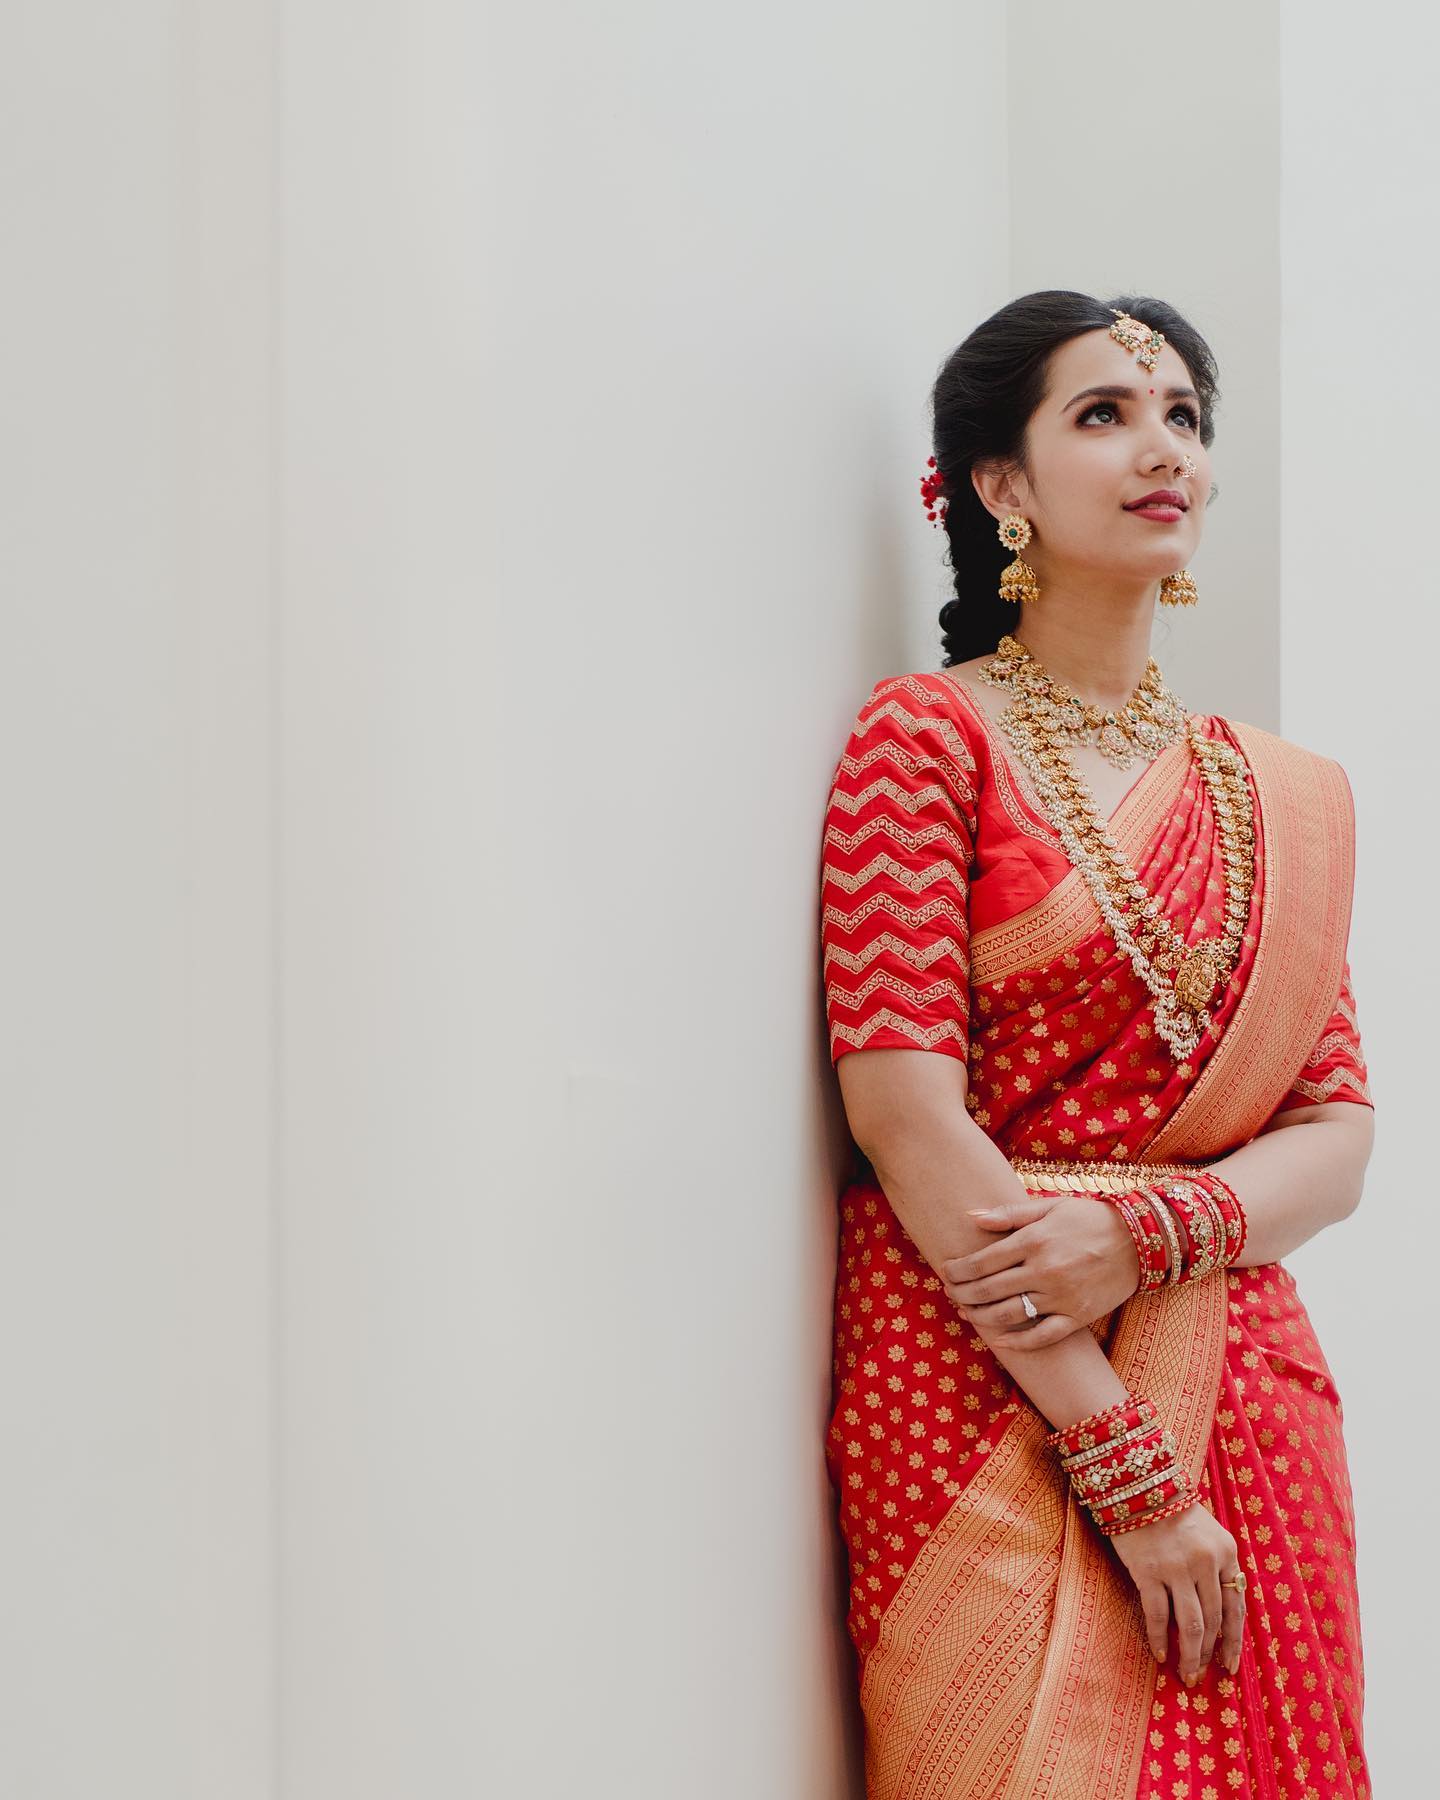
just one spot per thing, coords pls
(1126, 393)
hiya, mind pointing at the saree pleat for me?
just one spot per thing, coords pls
(1001, 1642)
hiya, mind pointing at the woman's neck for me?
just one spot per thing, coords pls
(1098, 646)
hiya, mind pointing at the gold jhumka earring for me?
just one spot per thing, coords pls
(1017, 581)
(1179, 589)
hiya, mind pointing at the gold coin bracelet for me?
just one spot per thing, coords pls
(1124, 1466)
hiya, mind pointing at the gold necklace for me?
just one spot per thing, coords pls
(1183, 978)
(1149, 720)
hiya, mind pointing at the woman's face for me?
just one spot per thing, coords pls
(1092, 453)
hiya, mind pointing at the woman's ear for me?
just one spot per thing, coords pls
(995, 484)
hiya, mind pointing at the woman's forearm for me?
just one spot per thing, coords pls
(1302, 1173)
(932, 1172)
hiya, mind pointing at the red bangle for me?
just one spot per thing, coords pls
(1122, 1465)
(1103, 1427)
(1137, 1207)
(1214, 1221)
(1206, 1232)
(1167, 1485)
(1230, 1204)
(1106, 1474)
(1127, 1211)
(1178, 1504)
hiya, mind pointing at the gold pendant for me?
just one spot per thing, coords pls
(1196, 978)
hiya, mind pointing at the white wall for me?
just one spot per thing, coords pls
(1359, 634)
(137, 1303)
(607, 335)
(556, 297)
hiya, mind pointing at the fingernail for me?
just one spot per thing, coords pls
(1190, 1680)
(981, 1212)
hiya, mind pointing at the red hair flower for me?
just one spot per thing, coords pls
(932, 487)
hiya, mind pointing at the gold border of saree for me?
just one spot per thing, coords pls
(1012, 1661)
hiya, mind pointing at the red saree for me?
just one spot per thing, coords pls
(1000, 1640)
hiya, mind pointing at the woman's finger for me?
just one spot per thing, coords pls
(1207, 1586)
(1049, 1330)
(964, 1272)
(1189, 1628)
(1232, 1627)
(1155, 1603)
(1011, 1316)
(989, 1257)
(1003, 1315)
(1010, 1214)
(988, 1289)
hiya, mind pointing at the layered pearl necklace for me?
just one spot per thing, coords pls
(1042, 719)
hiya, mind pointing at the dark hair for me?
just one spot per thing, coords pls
(982, 402)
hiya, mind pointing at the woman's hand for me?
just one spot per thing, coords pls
(1071, 1253)
(1178, 1564)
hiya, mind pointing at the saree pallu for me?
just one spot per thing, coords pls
(1001, 1644)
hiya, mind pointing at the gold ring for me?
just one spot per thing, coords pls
(1237, 1582)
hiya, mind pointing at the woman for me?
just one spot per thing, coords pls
(1098, 1050)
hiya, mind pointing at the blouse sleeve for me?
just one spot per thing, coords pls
(1336, 1068)
(899, 835)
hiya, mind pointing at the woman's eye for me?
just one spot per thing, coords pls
(1187, 412)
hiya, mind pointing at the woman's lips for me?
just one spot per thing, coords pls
(1167, 515)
